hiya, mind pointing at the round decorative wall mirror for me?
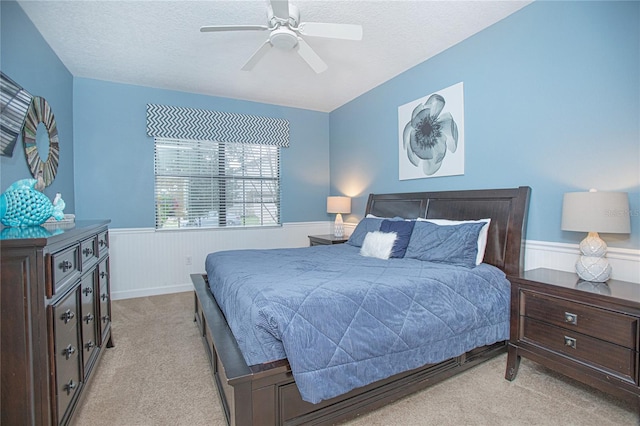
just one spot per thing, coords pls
(40, 135)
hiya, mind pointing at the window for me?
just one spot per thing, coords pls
(203, 184)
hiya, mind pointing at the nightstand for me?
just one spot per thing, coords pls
(327, 239)
(587, 331)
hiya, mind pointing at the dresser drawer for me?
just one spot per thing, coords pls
(600, 323)
(89, 252)
(616, 359)
(103, 243)
(88, 320)
(67, 369)
(65, 313)
(104, 302)
(65, 267)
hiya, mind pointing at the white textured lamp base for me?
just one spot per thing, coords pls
(338, 227)
(593, 265)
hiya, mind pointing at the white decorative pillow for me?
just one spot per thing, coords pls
(378, 244)
(482, 236)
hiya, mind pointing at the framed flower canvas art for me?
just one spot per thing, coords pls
(431, 135)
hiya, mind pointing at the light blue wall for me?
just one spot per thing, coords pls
(114, 155)
(551, 100)
(28, 60)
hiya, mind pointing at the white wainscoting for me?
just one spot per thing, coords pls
(625, 263)
(146, 262)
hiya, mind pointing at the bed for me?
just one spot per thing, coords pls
(266, 393)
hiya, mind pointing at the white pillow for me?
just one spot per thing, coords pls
(482, 236)
(378, 244)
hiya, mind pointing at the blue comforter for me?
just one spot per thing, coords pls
(343, 320)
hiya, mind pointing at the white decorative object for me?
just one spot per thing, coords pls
(378, 244)
(594, 212)
(338, 205)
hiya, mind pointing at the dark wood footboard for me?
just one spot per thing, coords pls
(267, 394)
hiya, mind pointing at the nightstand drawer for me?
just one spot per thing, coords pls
(600, 323)
(617, 360)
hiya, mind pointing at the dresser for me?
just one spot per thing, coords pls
(55, 318)
(587, 331)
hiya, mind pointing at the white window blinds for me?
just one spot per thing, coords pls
(216, 184)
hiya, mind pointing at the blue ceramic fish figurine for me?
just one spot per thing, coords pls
(22, 205)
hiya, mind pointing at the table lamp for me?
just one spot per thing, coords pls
(338, 205)
(594, 212)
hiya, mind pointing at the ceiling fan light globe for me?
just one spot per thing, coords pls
(283, 38)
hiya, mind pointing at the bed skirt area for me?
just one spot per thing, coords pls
(266, 394)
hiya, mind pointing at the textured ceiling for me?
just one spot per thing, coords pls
(159, 44)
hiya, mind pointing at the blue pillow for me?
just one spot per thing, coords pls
(403, 229)
(366, 225)
(455, 244)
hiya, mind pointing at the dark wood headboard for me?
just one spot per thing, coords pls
(507, 209)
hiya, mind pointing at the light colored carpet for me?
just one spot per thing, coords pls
(157, 374)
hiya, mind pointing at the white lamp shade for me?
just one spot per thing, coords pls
(338, 204)
(606, 212)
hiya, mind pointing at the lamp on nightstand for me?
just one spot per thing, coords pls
(338, 205)
(595, 212)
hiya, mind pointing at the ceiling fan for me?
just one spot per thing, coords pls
(286, 31)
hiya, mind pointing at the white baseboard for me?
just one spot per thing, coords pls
(145, 262)
(152, 291)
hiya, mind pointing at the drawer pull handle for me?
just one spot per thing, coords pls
(571, 318)
(67, 316)
(68, 351)
(88, 318)
(69, 387)
(89, 345)
(87, 291)
(570, 341)
(65, 265)
(104, 297)
(102, 243)
(87, 251)
(106, 318)
(103, 275)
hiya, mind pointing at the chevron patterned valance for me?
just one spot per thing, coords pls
(199, 124)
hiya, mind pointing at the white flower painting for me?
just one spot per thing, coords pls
(431, 135)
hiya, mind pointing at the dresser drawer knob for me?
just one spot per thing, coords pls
(571, 318)
(570, 341)
(106, 318)
(103, 274)
(68, 351)
(87, 291)
(102, 243)
(67, 316)
(65, 265)
(88, 318)
(69, 387)
(87, 251)
(89, 345)
(104, 297)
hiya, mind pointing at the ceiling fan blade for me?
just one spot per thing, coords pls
(259, 54)
(215, 28)
(280, 9)
(341, 31)
(311, 57)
